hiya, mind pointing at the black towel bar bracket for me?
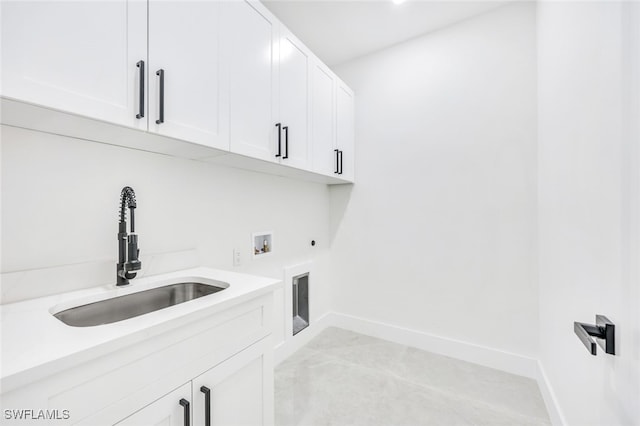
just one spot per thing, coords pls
(604, 331)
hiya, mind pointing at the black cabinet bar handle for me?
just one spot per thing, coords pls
(140, 113)
(187, 413)
(286, 142)
(337, 161)
(207, 405)
(340, 154)
(160, 120)
(279, 125)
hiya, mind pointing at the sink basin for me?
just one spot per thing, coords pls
(135, 304)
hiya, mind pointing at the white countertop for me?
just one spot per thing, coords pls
(35, 344)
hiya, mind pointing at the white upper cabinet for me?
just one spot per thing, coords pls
(332, 131)
(250, 33)
(345, 131)
(270, 87)
(226, 76)
(76, 56)
(188, 93)
(323, 110)
(294, 82)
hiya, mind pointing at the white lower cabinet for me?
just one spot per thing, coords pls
(237, 392)
(229, 352)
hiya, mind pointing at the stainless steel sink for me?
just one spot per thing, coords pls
(134, 304)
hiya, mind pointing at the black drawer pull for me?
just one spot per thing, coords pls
(187, 413)
(160, 120)
(286, 142)
(140, 113)
(207, 405)
(337, 170)
(279, 126)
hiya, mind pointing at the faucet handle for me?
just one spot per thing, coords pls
(133, 262)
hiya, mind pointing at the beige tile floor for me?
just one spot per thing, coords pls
(344, 378)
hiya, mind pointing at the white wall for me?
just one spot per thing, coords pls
(60, 201)
(438, 235)
(589, 67)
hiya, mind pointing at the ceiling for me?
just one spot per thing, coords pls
(338, 31)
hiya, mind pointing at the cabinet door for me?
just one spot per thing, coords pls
(294, 96)
(323, 120)
(249, 40)
(184, 44)
(76, 56)
(240, 390)
(166, 411)
(345, 130)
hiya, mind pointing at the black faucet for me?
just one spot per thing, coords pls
(127, 243)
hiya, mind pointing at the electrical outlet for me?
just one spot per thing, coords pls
(237, 259)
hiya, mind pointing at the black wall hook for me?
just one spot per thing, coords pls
(604, 331)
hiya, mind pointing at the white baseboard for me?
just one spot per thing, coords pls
(482, 355)
(549, 397)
